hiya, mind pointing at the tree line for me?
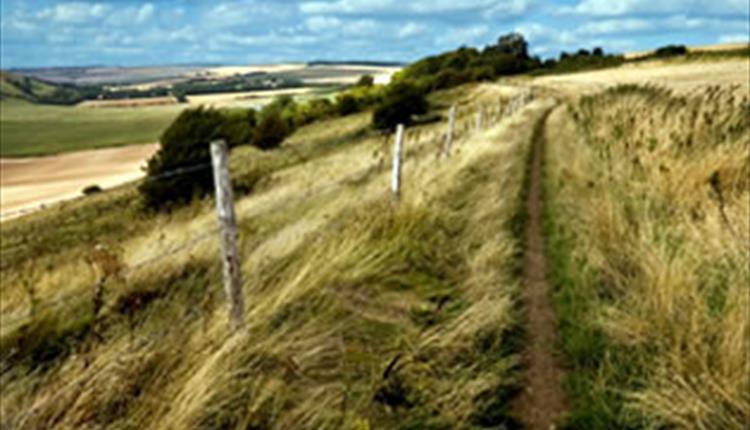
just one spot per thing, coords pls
(402, 101)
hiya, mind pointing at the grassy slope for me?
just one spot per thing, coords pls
(31, 129)
(652, 280)
(340, 283)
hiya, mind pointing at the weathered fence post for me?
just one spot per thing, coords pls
(451, 127)
(480, 119)
(229, 235)
(396, 178)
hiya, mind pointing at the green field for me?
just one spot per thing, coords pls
(27, 129)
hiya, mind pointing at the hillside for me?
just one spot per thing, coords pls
(577, 259)
(37, 91)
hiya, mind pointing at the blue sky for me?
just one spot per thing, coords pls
(140, 32)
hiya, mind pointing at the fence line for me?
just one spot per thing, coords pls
(509, 109)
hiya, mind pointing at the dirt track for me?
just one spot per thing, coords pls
(29, 182)
(542, 402)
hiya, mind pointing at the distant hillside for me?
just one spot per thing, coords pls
(36, 90)
(356, 63)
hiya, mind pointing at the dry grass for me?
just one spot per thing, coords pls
(362, 313)
(650, 226)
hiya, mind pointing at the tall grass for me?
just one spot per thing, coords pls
(649, 221)
(362, 313)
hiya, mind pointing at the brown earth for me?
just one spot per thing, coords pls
(27, 183)
(542, 403)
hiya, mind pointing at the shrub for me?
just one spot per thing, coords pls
(184, 144)
(238, 127)
(314, 110)
(450, 78)
(366, 81)
(671, 51)
(346, 104)
(483, 74)
(271, 131)
(403, 101)
(91, 189)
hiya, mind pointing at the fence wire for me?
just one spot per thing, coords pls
(412, 151)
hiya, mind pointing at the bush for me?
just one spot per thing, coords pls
(91, 189)
(184, 144)
(671, 51)
(366, 81)
(483, 74)
(238, 127)
(346, 104)
(271, 130)
(403, 101)
(450, 78)
(314, 110)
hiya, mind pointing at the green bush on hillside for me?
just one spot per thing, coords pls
(184, 144)
(671, 51)
(403, 101)
(239, 127)
(272, 129)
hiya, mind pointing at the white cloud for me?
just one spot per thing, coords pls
(321, 23)
(344, 7)
(508, 9)
(634, 7)
(735, 38)
(615, 26)
(270, 39)
(361, 27)
(411, 29)
(238, 13)
(144, 13)
(462, 35)
(347, 6)
(74, 13)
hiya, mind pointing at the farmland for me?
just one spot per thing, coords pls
(59, 129)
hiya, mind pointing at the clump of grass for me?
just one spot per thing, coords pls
(651, 273)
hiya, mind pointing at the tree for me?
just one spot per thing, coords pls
(402, 102)
(513, 44)
(184, 144)
(366, 81)
(597, 52)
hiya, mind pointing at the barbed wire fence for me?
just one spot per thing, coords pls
(407, 146)
(459, 127)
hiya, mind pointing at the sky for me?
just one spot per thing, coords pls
(45, 33)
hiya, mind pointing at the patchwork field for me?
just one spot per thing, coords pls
(30, 129)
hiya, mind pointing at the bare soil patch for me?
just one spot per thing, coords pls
(28, 183)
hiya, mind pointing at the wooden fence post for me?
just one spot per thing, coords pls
(396, 178)
(229, 235)
(451, 127)
(480, 119)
